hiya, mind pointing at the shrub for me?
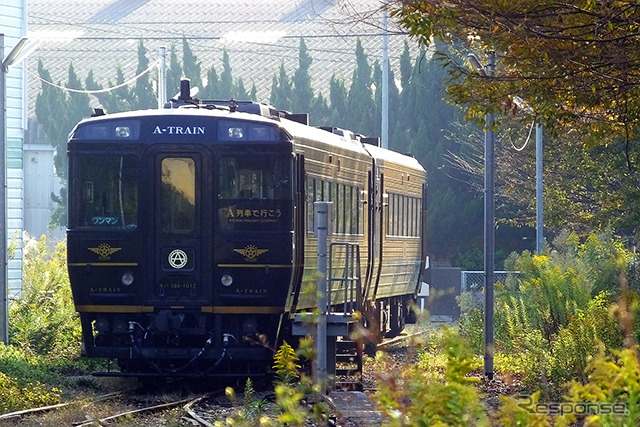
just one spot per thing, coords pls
(577, 343)
(419, 396)
(43, 321)
(613, 380)
(14, 397)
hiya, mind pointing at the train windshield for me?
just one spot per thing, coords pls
(265, 178)
(254, 193)
(106, 192)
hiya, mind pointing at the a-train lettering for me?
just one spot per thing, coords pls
(179, 130)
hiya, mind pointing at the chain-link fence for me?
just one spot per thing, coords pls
(472, 286)
(473, 281)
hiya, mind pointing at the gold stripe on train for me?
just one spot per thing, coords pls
(103, 264)
(242, 310)
(256, 265)
(114, 309)
(150, 309)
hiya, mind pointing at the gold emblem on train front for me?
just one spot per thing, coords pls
(251, 252)
(104, 250)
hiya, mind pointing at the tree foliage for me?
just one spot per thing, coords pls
(574, 62)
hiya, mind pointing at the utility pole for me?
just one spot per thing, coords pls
(539, 195)
(489, 218)
(384, 136)
(489, 228)
(162, 77)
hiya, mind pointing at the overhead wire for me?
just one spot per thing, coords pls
(94, 91)
(527, 141)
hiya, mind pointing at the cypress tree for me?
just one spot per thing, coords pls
(425, 124)
(253, 94)
(226, 78)
(174, 73)
(319, 112)
(50, 99)
(302, 93)
(239, 90)
(212, 89)
(281, 90)
(360, 103)
(143, 95)
(191, 66)
(76, 109)
(338, 101)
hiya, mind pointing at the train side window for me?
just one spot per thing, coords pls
(358, 212)
(338, 208)
(389, 213)
(407, 215)
(393, 214)
(416, 216)
(398, 216)
(412, 218)
(403, 216)
(105, 192)
(311, 199)
(178, 196)
(341, 205)
(349, 208)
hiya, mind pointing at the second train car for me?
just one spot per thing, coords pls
(190, 236)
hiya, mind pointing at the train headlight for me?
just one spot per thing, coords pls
(123, 131)
(250, 326)
(226, 280)
(235, 133)
(127, 278)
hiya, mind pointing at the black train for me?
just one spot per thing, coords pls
(190, 239)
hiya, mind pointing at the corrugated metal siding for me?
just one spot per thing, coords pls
(331, 29)
(38, 205)
(14, 26)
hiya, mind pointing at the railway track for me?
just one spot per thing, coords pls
(179, 401)
(135, 404)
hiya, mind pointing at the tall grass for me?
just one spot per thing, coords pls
(549, 319)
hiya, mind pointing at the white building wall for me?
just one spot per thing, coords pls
(13, 24)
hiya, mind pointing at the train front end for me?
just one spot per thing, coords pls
(180, 240)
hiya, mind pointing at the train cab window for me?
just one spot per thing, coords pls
(262, 178)
(105, 192)
(178, 197)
